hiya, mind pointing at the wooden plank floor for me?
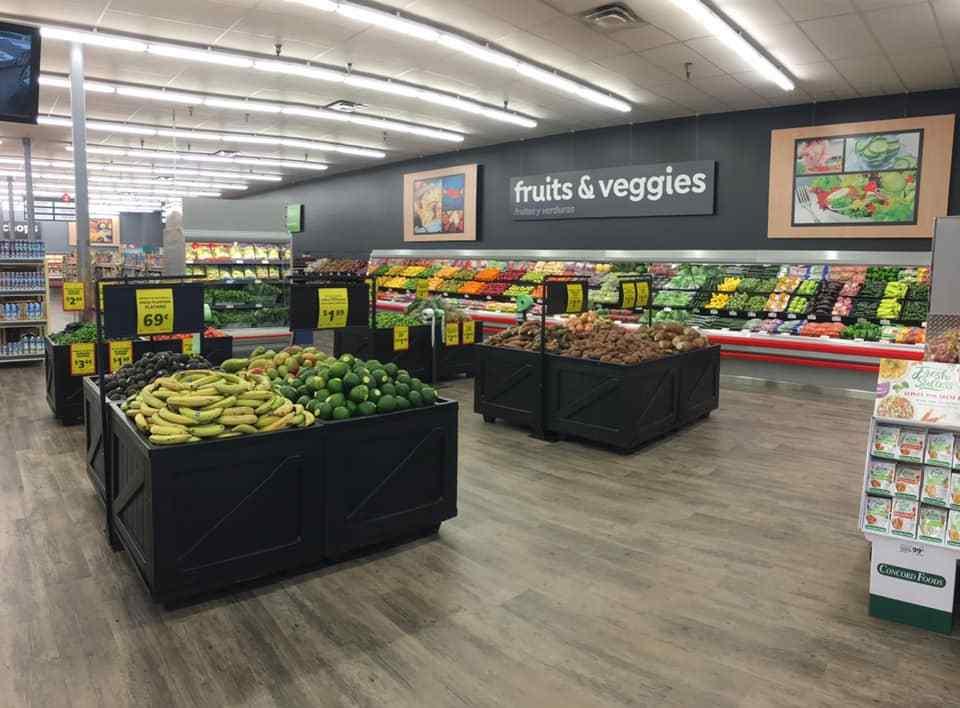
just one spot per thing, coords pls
(721, 567)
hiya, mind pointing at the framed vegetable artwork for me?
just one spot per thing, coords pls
(875, 179)
(102, 231)
(440, 205)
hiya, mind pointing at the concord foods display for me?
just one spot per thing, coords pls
(666, 189)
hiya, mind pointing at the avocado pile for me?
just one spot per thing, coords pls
(337, 389)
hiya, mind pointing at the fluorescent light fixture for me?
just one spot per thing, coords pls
(98, 87)
(152, 94)
(55, 121)
(58, 81)
(464, 46)
(382, 86)
(721, 29)
(292, 69)
(207, 56)
(97, 39)
(394, 23)
(202, 157)
(325, 5)
(318, 113)
(106, 126)
(188, 134)
(250, 139)
(279, 163)
(239, 104)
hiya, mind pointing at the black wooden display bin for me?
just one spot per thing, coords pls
(460, 360)
(94, 433)
(365, 343)
(612, 404)
(216, 350)
(203, 516)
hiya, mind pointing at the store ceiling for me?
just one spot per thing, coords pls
(833, 48)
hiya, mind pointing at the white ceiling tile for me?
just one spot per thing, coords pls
(190, 11)
(812, 9)
(788, 45)
(159, 27)
(730, 91)
(461, 15)
(643, 37)
(519, 14)
(765, 88)
(821, 79)
(842, 37)
(541, 50)
(925, 69)
(668, 17)
(948, 16)
(84, 12)
(688, 96)
(905, 29)
(300, 23)
(573, 7)
(637, 69)
(870, 75)
(266, 44)
(867, 5)
(576, 37)
(675, 58)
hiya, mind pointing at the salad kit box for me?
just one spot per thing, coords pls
(933, 524)
(936, 486)
(939, 449)
(876, 514)
(903, 519)
(906, 482)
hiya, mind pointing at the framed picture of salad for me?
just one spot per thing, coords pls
(440, 205)
(877, 179)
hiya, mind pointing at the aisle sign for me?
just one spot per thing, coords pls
(423, 289)
(628, 298)
(73, 296)
(154, 311)
(469, 332)
(401, 338)
(334, 308)
(575, 298)
(451, 334)
(120, 353)
(83, 359)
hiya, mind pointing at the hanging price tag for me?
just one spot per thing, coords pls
(190, 345)
(401, 338)
(643, 295)
(574, 298)
(469, 332)
(423, 289)
(73, 296)
(628, 300)
(83, 359)
(334, 308)
(121, 352)
(451, 334)
(155, 311)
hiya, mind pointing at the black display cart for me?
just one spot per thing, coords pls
(203, 516)
(617, 405)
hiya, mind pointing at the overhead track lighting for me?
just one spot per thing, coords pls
(200, 157)
(293, 68)
(276, 107)
(726, 33)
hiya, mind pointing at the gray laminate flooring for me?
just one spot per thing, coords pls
(720, 567)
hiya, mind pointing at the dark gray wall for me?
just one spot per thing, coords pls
(54, 236)
(139, 229)
(356, 212)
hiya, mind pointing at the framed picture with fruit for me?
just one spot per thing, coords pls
(886, 178)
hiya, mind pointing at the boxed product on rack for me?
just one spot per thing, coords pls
(939, 449)
(880, 478)
(953, 528)
(876, 514)
(911, 444)
(906, 482)
(886, 441)
(933, 524)
(903, 518)
(936, 486)
(955, 490)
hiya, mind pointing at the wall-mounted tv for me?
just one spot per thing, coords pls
(19, 73)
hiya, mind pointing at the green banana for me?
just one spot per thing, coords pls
(171, 384)
(265, 420)
(279, 424)
(200, 417)
(239, 410)
(194, 401)
(163, 393)
(230, 434)
(207, 431)
(258, 395)
(148, 410)
(228, 389)
(171, 417)
(151, 400)
(168, 430)
(205, 391)
(225, 403)
(244, 428)
(238, 420)
(141, 422)
(308, 419)
(170, 439)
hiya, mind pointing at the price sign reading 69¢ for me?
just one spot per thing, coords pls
(334, 308)
(155, 311)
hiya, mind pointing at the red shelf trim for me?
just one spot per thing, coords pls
(801, 361)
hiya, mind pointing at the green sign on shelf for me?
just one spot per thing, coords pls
(295, 218)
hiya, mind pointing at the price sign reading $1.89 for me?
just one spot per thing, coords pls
(155, 311)
(121, 352)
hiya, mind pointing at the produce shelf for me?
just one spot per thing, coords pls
(21, 358)
(34, 291)
(20, 261)
(252, 261)
(22, 323)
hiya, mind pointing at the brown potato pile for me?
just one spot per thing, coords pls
(605, 341)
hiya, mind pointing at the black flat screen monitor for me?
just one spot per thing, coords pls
(19, 73)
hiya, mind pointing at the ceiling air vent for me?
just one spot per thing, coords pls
(345, 106)
(611, 17)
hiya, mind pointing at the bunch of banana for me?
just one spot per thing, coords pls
(196, 405)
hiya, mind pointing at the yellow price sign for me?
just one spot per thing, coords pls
(83, 361)
(73, 297)
(451, 334)
(188, 345)
(469, 332)
(643, 295)
(423, 289)
(121, 353)
(334, 308)
(629, 301)
(401, 338)
(155, 311)
(575, 298)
